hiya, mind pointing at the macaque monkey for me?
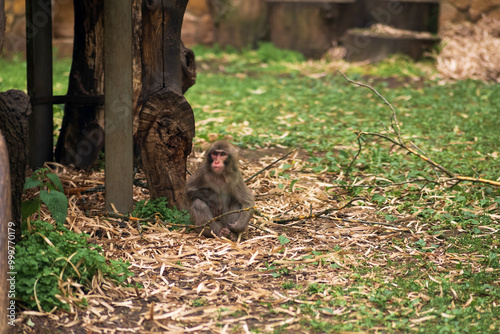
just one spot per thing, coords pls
(218, 187)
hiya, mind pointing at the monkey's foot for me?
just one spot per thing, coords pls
(226, 233)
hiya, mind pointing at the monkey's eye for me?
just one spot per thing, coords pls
(220, 154)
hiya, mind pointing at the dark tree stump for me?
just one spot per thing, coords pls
(415, 15)
(166, 120)
(239, 23)
(166, 130)
(5, 218)
(372, 46)
(15, 109)
(82, 131)
(311, 27)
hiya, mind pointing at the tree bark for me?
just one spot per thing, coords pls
(15, 109)
(82, 131)
(5, 218)
(5, 203)
(166, 120)
(2, 23)
(188, 65)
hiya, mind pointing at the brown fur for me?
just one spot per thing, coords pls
(210, 194)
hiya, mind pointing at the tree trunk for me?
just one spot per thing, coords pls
(82, 135)
(2, 24)
(5, 204)
(15, 109)
(5, 219)
(166, 120)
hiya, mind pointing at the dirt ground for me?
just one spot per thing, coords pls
(195, 284)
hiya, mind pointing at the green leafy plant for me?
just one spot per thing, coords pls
(283, 240)
(289, 285)
(51, 194)
(52, 263)
(282, 271)
(316, 288)
(199, 302)
(158, 207)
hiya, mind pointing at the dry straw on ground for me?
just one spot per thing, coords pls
(466, 51)
(471, 50)
(194, 284)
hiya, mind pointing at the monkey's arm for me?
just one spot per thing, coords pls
(241, 225)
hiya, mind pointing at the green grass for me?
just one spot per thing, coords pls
(13, 74)
(405, 294)
(261, 101)
(269, 103)
(265, 102)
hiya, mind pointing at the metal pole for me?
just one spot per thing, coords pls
(39, 72)
(118, 104)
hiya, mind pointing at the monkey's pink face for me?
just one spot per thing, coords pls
(218, 158)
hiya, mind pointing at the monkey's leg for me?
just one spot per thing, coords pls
(237, 222)
(201, 213)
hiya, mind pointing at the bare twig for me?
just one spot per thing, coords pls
(224, 214)
(409, 149)
(399, 142)
(395, 122)
(312, 215)
(420, 179)
(320, 215)
(360, 147)
(155, 219)
(359, 221)
(145, 220)
(287, 211)
(461, 178)
(270, 165)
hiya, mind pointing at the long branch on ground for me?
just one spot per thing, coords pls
(398, 141)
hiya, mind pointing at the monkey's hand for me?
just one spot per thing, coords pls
(240, 225)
